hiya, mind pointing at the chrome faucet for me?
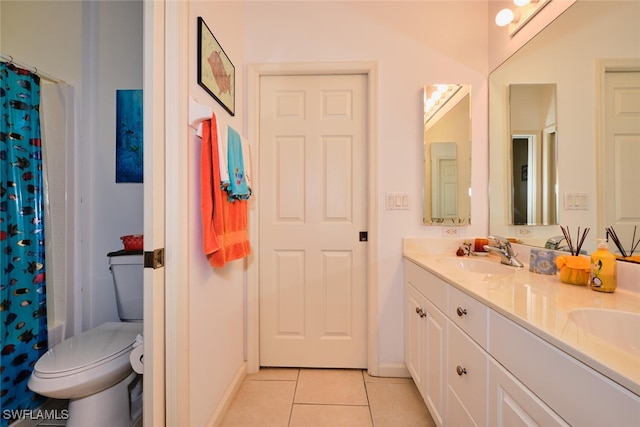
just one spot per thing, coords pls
(556, 244)
(504, 249)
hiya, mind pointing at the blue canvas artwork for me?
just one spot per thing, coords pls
(129, 136)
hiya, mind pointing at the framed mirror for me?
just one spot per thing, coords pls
(447, 154)
(574, 53)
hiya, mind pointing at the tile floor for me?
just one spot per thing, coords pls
(325, 397)
(313, 398)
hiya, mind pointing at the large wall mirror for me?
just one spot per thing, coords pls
(447, 154)
(566, 68)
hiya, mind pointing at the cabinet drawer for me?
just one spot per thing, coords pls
(469, 314)
(429, 285)
(579, 394)
(512, 404)
(467, 374)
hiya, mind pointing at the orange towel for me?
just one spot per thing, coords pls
(224, 224)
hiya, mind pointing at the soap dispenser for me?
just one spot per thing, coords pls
(602, 277)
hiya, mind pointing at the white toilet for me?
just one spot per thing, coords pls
(92, 369)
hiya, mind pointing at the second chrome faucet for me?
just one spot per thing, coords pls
(504, 249)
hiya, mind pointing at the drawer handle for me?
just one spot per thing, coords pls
(460, 370)
(420, 312)
(461, 311)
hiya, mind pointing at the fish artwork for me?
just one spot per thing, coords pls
(222, 78)
(22, 163)
(10, 318)
(8, 349)
(20, 325)
(34, 266)
(22, 375)
(26, 336)
(41, 344)
(20, 359)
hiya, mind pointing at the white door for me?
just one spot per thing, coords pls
(313, 198)
(622, 155)
(448, 188)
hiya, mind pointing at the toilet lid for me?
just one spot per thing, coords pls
(88, 349)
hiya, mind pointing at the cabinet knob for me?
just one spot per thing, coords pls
(461, 311)
(460, 370)
(420, 312)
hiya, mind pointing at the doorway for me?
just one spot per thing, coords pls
(289, 263)
(312, 211)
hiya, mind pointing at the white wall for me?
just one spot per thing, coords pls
(414, 43)
(216, 296)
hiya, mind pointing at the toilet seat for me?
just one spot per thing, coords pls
(88, 349)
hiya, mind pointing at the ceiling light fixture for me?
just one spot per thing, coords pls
(506, 17)
(524, 11)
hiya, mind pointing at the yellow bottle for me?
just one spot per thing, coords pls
(603, 269)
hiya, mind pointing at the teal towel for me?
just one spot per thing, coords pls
(238, 187)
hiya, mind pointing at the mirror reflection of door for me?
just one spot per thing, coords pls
(532, 123)
(444, 180)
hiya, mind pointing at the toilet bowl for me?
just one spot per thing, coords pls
(93, 369)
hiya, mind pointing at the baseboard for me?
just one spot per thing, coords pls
(221, 410)
(393, 370)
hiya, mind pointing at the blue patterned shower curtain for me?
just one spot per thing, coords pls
(23, 320)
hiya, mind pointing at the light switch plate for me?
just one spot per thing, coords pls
(576, 201)
(397, 201)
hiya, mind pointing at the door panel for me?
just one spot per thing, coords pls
(313, 202)
(622, 148)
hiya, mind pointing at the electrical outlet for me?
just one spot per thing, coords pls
(451, 232)
(522, 231)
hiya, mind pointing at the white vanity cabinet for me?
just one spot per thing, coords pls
(425, 336)
(575, 391)
(476, 367)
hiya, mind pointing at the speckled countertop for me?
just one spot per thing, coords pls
(542, 304)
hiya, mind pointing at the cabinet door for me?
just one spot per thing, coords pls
(414, 340)
(435, 369)
(467, 373)
(511, 404)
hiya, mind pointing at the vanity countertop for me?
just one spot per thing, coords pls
(542, 304)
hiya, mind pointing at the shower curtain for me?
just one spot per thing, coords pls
(23, 320)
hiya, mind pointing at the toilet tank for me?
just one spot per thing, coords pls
(126, 270)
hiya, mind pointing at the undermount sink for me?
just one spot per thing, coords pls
(474, 265)
(617, 328)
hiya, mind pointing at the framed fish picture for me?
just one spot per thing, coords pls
(216, 73)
